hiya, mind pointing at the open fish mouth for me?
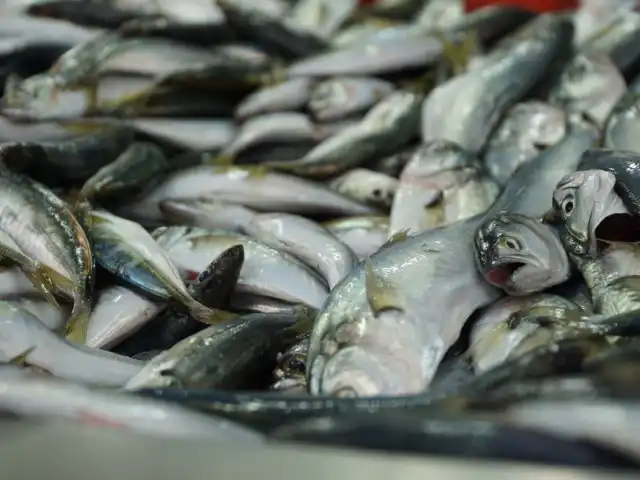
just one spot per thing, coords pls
(501, 274)
(618, 228)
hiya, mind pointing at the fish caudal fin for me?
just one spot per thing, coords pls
(78, 322)
(209, 316)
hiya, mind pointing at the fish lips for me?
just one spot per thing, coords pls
(503, 272)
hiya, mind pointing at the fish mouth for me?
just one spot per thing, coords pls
(501, 274)
(618, 228)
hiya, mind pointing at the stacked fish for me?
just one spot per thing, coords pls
(396, 226)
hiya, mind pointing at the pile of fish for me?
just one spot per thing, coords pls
(396, 227)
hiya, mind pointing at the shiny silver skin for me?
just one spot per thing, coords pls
(591, 85)
(438, 14)
(306, 240)
(44, 398)
(54, 318)
(290, 95)
(387, 127)
(364, 235)
(581, 202)
(207, 213)
(23, 335)
(265, 271)
(340, 97)
(251, 187)
(466, 108)
(440, 185)
(189, 133)
(322, 17)
(366, 186)
(520, 254)
(493, 340)
(526, 130)
(622, 131)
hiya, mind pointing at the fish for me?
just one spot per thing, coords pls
(385, 128)
(440, 185)
(24, 335)
(254, 188)
(291, 368)
(305, 240)
(492, 340)
(55, 399)
(466, 108)
(591, 85)
(520, 255)
(207, 213)
(526, 130)
(128, 251)
(187, 133)
(340, 97)
(290, 95)
(620, 130)
(139, 164)
(46, 230)
(54, 318)
(364, 235)
(225, 356)
(366, 186)
(119, 312)
(321, 17)
(266, 271)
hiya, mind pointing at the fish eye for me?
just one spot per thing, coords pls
(377, 192)
(296, 365)
(568, 206)
(510, 243)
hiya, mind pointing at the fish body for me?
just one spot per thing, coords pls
(364, 235)
(622, 131)
(290, 95)
(207, 213)
(366, 186)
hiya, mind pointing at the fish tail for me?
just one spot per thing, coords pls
(78, 322)
(210, 316)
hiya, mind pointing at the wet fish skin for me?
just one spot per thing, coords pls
(526, 130)
(137, 165)
(54, 318)
(492, 341)
(466, 108)
(207, 213)
(388, 126)
(45, 229)
(365, 235)
(321, 17)
(305, 240)
(55, 399)
(339, 97)
(622, 131)
(366, 186)
(187, 133)
(244, 343)
(250, 187)
(520, 254)
(266, 271)
(288, 96)
(440, 185)
(22, 332)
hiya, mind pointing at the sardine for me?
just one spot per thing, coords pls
(266, 271)
(254, 188)
(290, 95)
(526, 130)
(366, 186)
(465, 109)
(305, 240)
(364, 235)
(340, 97)
(54, 318)
(207, 213)
(23, 335)
(187, 133)
(440, 185)
(622, 131)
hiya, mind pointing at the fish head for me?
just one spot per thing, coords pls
(591, 84)
(159, 372)
(37, 98)
(520, 254)
(586, 205)
(291, 365)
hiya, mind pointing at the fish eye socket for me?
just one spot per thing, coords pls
(568, 206)
(377, 193)
(510, 243)
(296, 365)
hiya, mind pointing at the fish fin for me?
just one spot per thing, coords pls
(223, 159)
(208, 316)
(398, 236)
(457, 54)
(91, 96)
(306, 317)
(82, 128)
(381, 295)
(434, 211)
(422, 84)
(78, 323)
(20, 360)
(286, 166)
(550, 217)
(82, 211)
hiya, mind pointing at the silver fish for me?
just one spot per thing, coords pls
(54, 318)
(590, 84)
(465, 109)
(520, 254)
(322, 17)
(251, 187)
(207, 213)
(340, 97)
(440, 185)
(265, 271)
(118, 313)
(289, 95)
(54, 399)
(526, 130)
(366, 186)
(305, 240)
(23, 335)
(364, 235)
(622, 131)
(189, 133)
(493, 341)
